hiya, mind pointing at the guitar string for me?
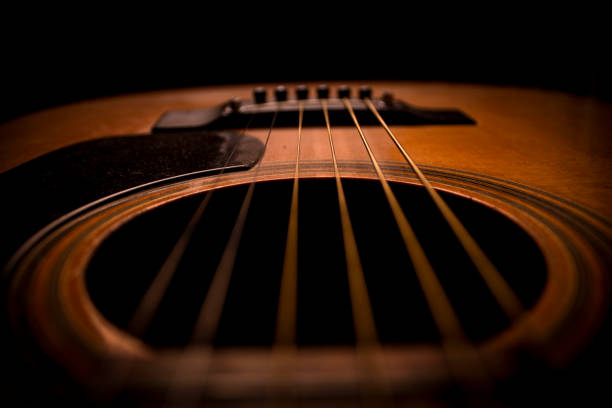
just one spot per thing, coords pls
(364, 322)
(150, 301)
(363, 316)
(464, 362)
(207, 322)
(493, 279)
(148, 305)
(375, 389)
(287, 304)
(210, 313)
(446, 320)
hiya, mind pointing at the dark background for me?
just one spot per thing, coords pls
(54, 56)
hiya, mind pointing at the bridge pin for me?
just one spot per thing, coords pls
(344, 91)
(323, 92)
(301, 92)
(259, 94)
(280, 93)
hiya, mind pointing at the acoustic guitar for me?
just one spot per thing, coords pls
(393, 243)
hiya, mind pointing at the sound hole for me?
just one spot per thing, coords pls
(125, 264)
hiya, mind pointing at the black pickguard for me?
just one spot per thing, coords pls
(38, 192)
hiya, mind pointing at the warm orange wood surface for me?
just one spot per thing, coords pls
(552, 141)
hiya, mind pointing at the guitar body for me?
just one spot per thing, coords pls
(530, 178)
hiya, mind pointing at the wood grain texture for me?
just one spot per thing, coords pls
(548, 140)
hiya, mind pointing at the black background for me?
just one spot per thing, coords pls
(54, 56)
